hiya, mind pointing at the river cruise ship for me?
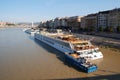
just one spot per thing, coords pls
(69, 43)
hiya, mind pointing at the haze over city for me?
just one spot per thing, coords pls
(38, 10)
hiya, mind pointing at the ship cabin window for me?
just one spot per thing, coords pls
(62, 43)
(80, 53)
(48, 40)
(80, 44)
(70, 53)
(84, 43)
(90, 52)
(77, 53)
(96, 50)
(86, 52)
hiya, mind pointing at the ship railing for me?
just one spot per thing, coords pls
(85, 47)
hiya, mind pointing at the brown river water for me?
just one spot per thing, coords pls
(24, 58)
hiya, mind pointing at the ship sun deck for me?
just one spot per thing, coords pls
(78, 44)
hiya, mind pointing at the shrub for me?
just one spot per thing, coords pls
(118, 29)
(101, 29)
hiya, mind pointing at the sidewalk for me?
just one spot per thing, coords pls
(108, 35)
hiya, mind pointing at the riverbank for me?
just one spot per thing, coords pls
(106, 35)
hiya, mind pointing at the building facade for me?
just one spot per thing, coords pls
(57, 22)
(102, 19)
(93, 22)
(89, 22)
(114, 18)
(74, 23)
(3, 23)
(63, 23)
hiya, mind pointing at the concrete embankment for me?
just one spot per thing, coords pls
(101, 41)
(108, 35)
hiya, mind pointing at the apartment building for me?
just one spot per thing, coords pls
(89, 21)
(74, 22)
(64, 22)
(50, 23)
(3, 23)
(57, 22)
(102, 19)
(114, 18)
(42, 24)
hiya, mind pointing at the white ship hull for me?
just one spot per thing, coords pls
(30, 31)
(53, 44)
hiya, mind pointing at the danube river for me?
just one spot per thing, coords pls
(24, 58)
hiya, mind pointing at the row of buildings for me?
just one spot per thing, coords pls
(73, 23)
(103, 20)
(3, 23)
(109, 19)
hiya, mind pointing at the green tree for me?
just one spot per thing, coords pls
(106, 29)
(81, 29)
(111, 29)
(101, 29)
(118, 29)
(92, 28)
(85, 29)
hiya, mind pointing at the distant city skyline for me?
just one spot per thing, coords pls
(38, 10)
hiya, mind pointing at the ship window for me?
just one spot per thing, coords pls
(62, 43)
(90, 52)
(81, 44)
(80, 53)
(96, 50)
(48, 40)
(85, 52)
